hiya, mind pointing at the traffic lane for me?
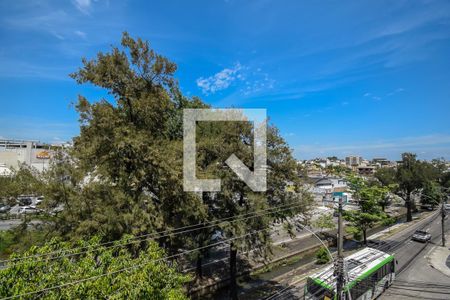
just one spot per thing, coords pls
(419, 281)
(411, 248)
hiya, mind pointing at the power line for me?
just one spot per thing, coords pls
(145, 237)
(131, 267)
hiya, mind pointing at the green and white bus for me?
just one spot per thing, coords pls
(369, 273)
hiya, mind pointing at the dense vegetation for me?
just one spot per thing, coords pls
(413, 176)
(91, 271)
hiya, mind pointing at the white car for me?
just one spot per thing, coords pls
(39, 199)
(447, 206)
(28, 210)
(421, 236)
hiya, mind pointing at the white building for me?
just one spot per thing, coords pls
(32, 153)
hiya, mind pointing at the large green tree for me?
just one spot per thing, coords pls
(431, 194)
(368, 198)
(124, 171)
(412, 175)
(386, 176)
(370, 212)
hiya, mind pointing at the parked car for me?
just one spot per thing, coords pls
(429, 207)
(421, 236)
(24, 200)
(28, 210)
(39, 199)
(447, 206)
(4, 209)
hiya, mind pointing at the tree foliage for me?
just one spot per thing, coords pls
(124, 172)
(217, 141)
(431, 194)
(100, 272)
(370, 211)
(386, 176)
(411, 176)
(324, 221)
(322, 256)
(23, 181)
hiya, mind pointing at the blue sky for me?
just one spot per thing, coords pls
(337, 77)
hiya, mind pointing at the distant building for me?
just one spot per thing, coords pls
(331, 199)
(328, 184)
(366, 170)
(323, 183)
(353, 160)
(32, 153)
(381, 162)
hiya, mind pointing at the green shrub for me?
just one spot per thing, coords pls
(357, 234)
(99, 272)
(322, 256)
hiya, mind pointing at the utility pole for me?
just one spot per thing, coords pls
(443, 223)
(340, 260)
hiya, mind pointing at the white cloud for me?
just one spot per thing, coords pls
(220, 80)
(83, 5)
(372, 96)
(50, 21)
(399, 90)
(81, 34)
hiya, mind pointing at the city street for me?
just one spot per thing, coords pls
(412, 267)
(419, 279)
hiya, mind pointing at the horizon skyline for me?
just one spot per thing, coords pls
(369, 158)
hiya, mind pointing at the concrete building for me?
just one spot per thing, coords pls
(353, 160)
(32, 153)
(366, 170)
(328, 184)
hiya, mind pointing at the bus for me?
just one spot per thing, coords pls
(369, 273)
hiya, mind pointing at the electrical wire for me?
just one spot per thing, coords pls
(131, 267)
(145, 237)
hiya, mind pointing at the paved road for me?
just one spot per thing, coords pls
(419, 280)
(404, 250)
(8, 224)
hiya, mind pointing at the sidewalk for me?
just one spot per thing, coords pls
(385, 233)
(439, 258)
